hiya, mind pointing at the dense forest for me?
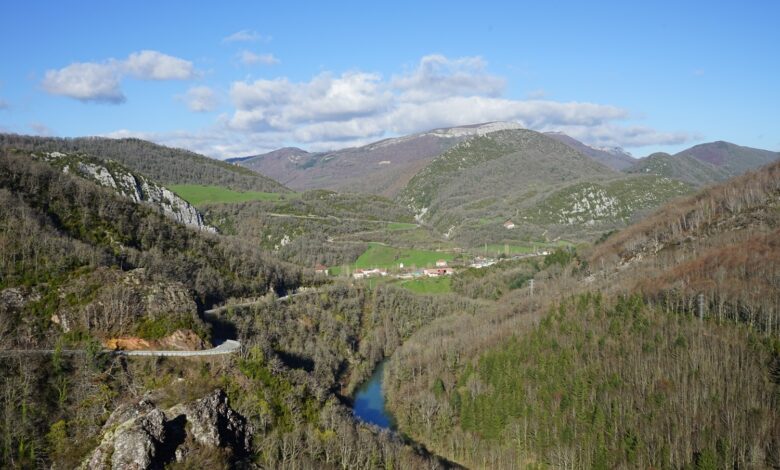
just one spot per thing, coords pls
(162, 164)
(657, 348)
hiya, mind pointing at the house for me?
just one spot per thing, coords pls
(436, 272)
(480, 262)
(320, 269)
(441, 263)
(509, 225)
(364, 273)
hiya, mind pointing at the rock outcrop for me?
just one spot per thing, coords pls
(140, 436)
(112, 303)
(131, 185)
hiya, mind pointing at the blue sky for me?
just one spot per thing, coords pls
(239, 78)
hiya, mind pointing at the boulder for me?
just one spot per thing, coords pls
(140, 436)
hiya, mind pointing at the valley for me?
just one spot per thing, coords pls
(494, 297)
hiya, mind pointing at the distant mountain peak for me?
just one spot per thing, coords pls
(613, 157)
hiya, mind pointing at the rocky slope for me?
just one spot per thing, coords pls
(141, 436)
(133, 186)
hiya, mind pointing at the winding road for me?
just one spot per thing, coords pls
(228, 347)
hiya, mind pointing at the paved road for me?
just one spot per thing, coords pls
(228, 347)
(217, 310)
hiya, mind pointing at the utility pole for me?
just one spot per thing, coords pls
(531, 286)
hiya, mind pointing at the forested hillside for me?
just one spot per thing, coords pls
(730, 158)
(317, 227)
(60, 232)
(165, 165)
(613, 359)
(682, 167)
(544, 186)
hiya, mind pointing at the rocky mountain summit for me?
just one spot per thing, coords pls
(141, 436)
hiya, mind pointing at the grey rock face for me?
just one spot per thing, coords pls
(215, 424)
(140, 445)
(140, 436)
(131, 185)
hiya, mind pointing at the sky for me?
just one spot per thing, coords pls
(232, 79)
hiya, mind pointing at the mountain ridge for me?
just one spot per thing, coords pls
(165, 165)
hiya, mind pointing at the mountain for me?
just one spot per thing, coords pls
(682, 167)
(613, 157)
(730, 158)
(165, 165)
(124, 182)
(382, 167)
(544, 185)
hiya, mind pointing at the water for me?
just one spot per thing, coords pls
(369, 404)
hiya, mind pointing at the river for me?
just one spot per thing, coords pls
(369, 403)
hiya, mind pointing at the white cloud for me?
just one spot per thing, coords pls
(85, 82)
(280, 104)
(354, 108)
(4, 104)
(250, 58)
(439, 77)
(153, 65)
(611, 135)
(201, 99)
(246, 35)
(101, 82)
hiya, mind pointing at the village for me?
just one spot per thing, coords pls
(442, 268)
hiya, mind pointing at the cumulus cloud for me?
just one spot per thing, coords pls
(246, 35)
(612, 135)
(86, 82)
(437, 76)
(250, 58)
(101, 82)
(153, 65)
(280, 104)
(201, 99)
(354, 108)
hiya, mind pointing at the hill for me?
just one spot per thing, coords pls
(165, 165)
(382, 167)
(682, 167)
(615, 158)
(542, 184)
(722, 243)
(82, 260)
(126, 183)
(617, 357)
(730, 158)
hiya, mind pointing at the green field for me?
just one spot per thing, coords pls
(382, 256)
(197, 194)
(429, 285)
